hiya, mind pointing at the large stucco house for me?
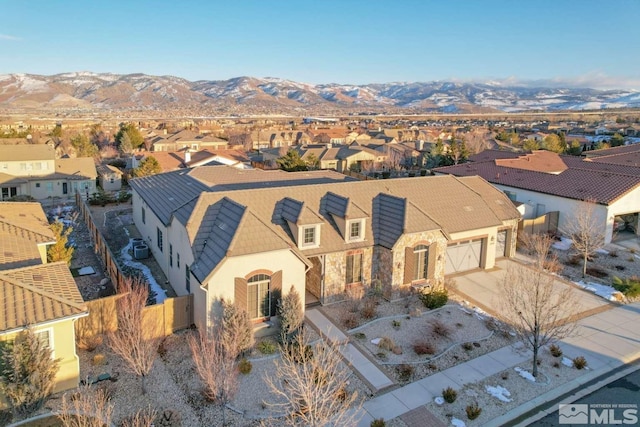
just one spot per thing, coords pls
(543, 181)
(33, 170)
(248, 236)
(34, 293)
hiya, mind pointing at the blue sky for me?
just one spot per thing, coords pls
(560, 42)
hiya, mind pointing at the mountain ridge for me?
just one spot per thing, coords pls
(85, 90)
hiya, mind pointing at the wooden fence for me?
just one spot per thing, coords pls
(170, 316)
(547, 223)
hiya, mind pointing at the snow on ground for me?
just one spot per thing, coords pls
(567, 362)
(605, 291)
(564, 244)
(499, 392)
(161, 294)
(457, 422)
(439, 400)
(525, 374)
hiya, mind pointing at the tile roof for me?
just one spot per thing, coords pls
(23, 226)
(583, 180)
(20, 152)
(538, 160)
(10, 179)
(80, 167)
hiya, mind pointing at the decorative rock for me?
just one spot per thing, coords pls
(104, 281)
(375, 341)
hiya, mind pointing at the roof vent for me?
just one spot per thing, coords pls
(468, 208)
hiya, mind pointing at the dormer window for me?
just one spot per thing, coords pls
(309, 236)
(356, 230)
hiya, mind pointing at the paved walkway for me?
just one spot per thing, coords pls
(607, 340)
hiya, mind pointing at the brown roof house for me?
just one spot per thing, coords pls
(248, 236)
(109, 177)
(544, 181)
(33, 170)
(36, 294)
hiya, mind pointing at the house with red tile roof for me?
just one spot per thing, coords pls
(544, 181)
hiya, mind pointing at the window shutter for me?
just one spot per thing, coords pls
(240, 293)
(431, 263)
(408, 265)
(276, 290)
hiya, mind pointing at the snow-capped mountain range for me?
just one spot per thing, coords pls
(250, 95)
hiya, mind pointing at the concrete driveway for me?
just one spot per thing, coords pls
(482, 288)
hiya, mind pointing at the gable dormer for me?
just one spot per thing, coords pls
(305, 225)
(349, 217)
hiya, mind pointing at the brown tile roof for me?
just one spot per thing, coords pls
(81, 167)
(16, 153)
(38, 294)
(583, 180)
(23, 226)
(538, 160)
(10, 179)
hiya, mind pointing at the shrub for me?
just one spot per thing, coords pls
(613, 254)
(405, 372)
(397, 350)
(579, 362)
(467, 346)
(368, 310)
(267, 347)
(574, 260)
(378, 423)
(434, 299)
(300, 356)
(555, 350)
(423, 347)
(473, 411)
(440, 329)
(349, 320)
(291, 314)
(395, 324)
(244, 366)
(89, 343)
(381, 355)
(386, 343)
(98, 359)
(27, 373)
(630, 287)
(360, 335)
(168, 418)
(596, 272)
(556, 364)
(449, 395)
(631, 259)
(505, 375)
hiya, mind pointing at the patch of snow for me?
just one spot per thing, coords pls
(439, 400)
(564, 244)
(457, 422)
(375, 341)
(602, 251)
(160, 294)
(525, 374)
(567, 362)
(499, 393)
(605, 291)
(85, 271)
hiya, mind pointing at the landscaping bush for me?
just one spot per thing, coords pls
(168, 418)
(267, 347)
(467, 346)
(360, 335)
(99, 359)
(378, 423)
(386, 343)
(579, 362)
(435, 298)
(381, 355)
(555, 350)
(449, 395)
(123, 196)
(368, 310)
(349, 320)
(405, 372)
(438, 328)
(395, 324)
(423, 347)
(630, 287)
(596, 272)
(89, 343)
(397, 350)
(473, 411)
(244, 366)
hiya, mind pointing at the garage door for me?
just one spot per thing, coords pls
(463, 256)
(501, 244)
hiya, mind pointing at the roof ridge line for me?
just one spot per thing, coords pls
(26, 229)
(37, 290)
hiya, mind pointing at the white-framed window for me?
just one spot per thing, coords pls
(356, 230)
(309, 236)
(258, 296)
(45, 336)
(420, 262)
(354, 268)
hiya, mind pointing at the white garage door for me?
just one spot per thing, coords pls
(501, 244)
(463, 256)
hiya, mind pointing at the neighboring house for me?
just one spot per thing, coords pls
(186, 139)
(340, 158)
(544, 181)
(247, 236)
(109, 177)
(34, 293)
(33, 170)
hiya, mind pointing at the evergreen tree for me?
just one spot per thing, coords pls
(292, 162)
(27, 373)
(147, 167)
(291, 314)
(236, 321)
(616, 140)
(134, 135)
(84, 147)
(61, 250)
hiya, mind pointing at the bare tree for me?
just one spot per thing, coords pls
(538, 245)
(539, 312)
(586, 230)
(142, 418)
(136, 339)
(309, 385)
(96, 405)
(215, 353)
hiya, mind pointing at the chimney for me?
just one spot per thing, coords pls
(164, 131)
(187, 157)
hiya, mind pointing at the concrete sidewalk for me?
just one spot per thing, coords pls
(607, 340)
